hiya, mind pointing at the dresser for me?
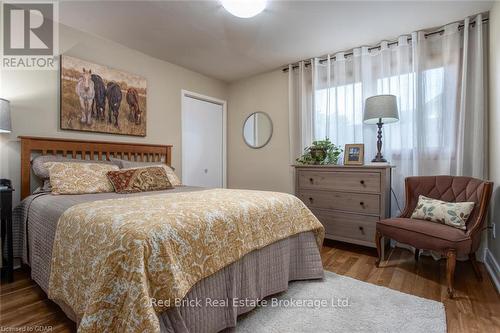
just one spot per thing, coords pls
(348, 200)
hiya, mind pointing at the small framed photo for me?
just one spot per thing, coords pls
(354, 154)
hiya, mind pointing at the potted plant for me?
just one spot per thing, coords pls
(320, 152)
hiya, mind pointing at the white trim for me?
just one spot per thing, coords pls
(493, 268)
(223, 103)
(481, 252)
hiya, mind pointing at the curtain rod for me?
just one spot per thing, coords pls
(350, 52)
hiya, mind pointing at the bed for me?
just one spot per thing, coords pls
(264, 271)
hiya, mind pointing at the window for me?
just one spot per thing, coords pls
(338, 112)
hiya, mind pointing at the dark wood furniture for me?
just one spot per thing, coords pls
(90, 150)
(446, 240)
(347, 199)
(6, 230)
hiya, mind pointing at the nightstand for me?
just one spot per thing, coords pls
(6, 220)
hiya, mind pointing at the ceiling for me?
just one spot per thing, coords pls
(202, 36)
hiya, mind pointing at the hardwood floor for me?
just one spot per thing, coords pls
(476, 307)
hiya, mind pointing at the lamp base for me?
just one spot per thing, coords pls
(379, 159)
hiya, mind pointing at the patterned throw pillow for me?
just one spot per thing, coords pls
(139, 179)
(172, 177)
(454, 214)
(79, 178)
(41, 171)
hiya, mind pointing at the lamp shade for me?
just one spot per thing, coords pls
(5, 124)
(384, 107)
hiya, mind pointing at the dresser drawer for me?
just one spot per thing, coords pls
(351, 226)
(339, 181)
(350, 202)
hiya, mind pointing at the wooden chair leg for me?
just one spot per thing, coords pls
(450, 270)
(378, 238)
(417, 253)
(475, 266)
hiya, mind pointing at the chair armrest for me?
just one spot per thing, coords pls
(483, 210)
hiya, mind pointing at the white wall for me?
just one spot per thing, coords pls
(266, 168)
(494, 130)
(34, 98)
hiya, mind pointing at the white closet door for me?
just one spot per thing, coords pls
(202, 143)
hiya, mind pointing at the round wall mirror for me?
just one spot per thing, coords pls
(257, 130)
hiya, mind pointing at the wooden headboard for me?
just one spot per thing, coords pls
(87, 150)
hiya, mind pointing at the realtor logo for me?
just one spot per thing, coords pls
(29, 35)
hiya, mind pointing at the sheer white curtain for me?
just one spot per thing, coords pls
(440, 81)
(300, 106)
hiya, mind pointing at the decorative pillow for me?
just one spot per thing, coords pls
(172, 177)
(454, 214)
(139, 180)
(79, 178)
(41, 171)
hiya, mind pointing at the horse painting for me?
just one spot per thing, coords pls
(133, 105)
(85, 91)
(101, 99)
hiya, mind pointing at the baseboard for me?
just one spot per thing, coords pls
(481, 253)
(493, 268)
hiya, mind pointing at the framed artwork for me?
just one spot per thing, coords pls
(354, 154)
(96, 98)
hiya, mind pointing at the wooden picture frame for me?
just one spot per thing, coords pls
(354, 154)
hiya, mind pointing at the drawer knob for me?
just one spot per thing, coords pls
(311, 180)
(362, 203)
(362, 182)
(362, 230)
(311, 200)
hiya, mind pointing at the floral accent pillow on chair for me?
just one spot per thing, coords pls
(454, 214)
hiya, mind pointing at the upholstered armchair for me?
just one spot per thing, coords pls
(449, 241)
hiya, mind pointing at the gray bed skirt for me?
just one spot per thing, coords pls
(258, 274)
(215, 302)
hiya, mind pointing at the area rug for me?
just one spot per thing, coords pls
(342, 304)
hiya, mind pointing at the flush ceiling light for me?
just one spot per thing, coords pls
(244, 8)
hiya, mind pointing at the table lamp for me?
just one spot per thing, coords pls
(5, 124)
(380, 110)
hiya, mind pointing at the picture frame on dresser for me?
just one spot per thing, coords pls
(354, 154)
(347, 199)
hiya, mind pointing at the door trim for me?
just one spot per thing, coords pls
(223, 103)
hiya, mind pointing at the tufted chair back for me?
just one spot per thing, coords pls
(451, 189)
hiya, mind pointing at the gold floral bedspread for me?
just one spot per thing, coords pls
(112, 257)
